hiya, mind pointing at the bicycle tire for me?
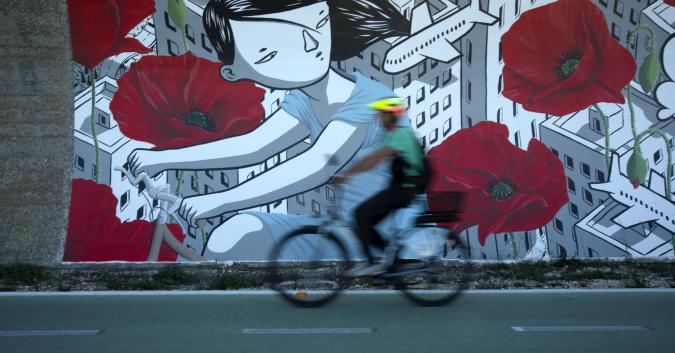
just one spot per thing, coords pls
(289, 273)
(432, 281)
(437, 282)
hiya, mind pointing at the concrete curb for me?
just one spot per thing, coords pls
(124, 276)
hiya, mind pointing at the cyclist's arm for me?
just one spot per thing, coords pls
(370, 161)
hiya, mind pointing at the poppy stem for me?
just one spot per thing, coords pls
(515, 247)
(636, 141)
(629, 43)
(669, 166)
(92, 77)
(179, 182)
(605, 122)
(195, 187)
(185, 42)
(638, 28)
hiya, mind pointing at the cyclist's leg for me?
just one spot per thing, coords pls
(372, 211)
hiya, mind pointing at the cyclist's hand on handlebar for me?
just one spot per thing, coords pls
(142, 160)
(339, 178)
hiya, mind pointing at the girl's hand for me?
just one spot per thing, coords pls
(147, 161)
(198, 207)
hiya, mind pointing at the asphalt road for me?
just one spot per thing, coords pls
(616, 322)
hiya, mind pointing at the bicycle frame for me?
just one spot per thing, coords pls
(168, 207)
(395, 241)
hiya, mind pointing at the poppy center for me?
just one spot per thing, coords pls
(568, 65)
(502, 190)
(197, 118)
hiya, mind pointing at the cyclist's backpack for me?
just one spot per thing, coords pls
(424, 179)
(398, 176)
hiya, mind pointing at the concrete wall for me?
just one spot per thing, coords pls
(36, 101)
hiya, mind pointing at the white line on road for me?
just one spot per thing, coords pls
(306, 330)
(348, 292)
(577, 328)
(25, 333)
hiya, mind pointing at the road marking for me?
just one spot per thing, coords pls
(26, 333)
(577, 328)
(269, 331)
(347, 292)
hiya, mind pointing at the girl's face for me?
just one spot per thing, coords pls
(284, 50)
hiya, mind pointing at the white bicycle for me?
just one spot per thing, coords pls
(168, 211)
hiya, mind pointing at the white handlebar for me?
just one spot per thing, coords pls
(158, 192)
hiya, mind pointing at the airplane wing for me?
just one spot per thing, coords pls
(633, 216)
(441, 50)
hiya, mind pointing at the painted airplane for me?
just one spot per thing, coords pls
(644, 204)
(429, 40)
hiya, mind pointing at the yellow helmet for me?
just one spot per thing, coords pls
(393, 105)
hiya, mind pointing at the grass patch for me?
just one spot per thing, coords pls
(110, 282)
(589, 275)
(171, 276)
(22, 274)
(234, 281)
(535, 272)
(144, 284)
(635, 281)
(163, 279)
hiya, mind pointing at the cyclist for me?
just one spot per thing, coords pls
(408, 179)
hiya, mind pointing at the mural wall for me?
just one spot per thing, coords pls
(206, 130)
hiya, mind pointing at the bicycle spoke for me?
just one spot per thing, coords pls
(301, 271)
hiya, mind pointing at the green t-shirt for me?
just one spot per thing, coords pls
(404, 142)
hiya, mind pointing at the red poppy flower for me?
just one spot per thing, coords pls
(560, 58)
(98, 28)
(506, 189)
(670, 2)
(96, 234)
(178, 101)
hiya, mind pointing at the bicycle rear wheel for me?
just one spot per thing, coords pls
(433, 282)
(307, 267)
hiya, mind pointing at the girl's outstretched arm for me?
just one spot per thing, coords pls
(338, 142)
(276, 134)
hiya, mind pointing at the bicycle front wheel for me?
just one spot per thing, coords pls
(433, 282)
(307, 266)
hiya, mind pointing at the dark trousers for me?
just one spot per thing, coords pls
(373, 210)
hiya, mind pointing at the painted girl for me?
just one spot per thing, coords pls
(287, 45)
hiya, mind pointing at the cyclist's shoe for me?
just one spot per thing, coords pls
(367, 270)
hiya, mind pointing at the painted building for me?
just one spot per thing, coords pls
(482, 100)
(113, 147)
(115, 66)
(170, 42)
(448, 68)
(578, 140)
(429, 88)
(660, 17)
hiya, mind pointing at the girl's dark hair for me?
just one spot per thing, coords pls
(355, 24)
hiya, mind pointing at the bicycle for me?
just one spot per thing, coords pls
(307, 265)
(168, 207)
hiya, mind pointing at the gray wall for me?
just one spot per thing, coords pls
(36, 140)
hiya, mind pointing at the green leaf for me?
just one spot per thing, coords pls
(637, 168)
(649, 72)
(178, 13)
